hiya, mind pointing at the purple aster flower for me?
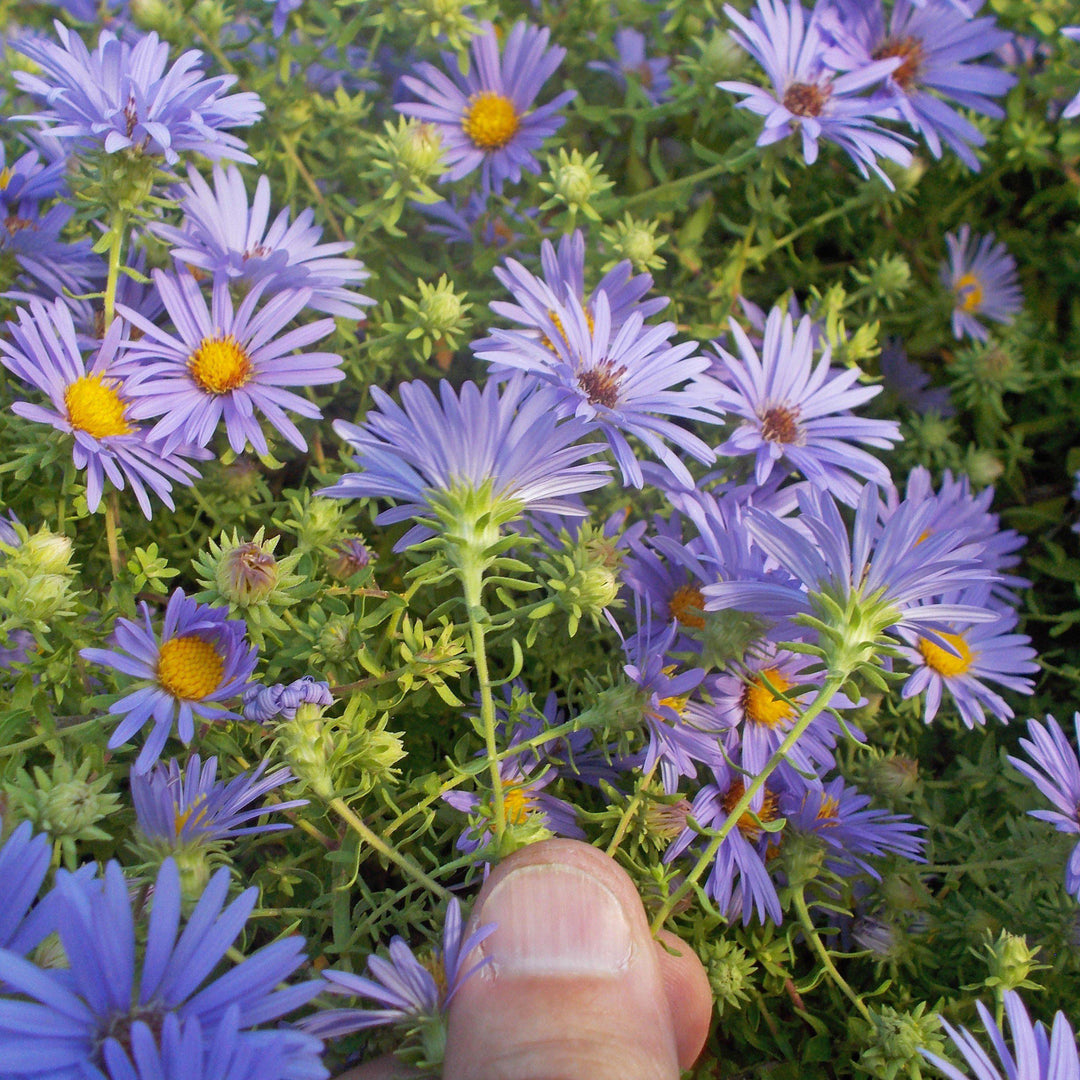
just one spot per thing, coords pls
(524, 802)
(651, 75)
(222, 235)
(851, 829)
(624, 382)
(265, 703)
(1056, 773)
(892, 568)
(199, 663)
(510, 438)
(49, 266)
(981, 275)
(24, 862)
(226, 363)
(676, 746)
(805, 96)
(906, 382)
(755, 721)
(986, 652)
(935, 44)
(473, 221)
(485, 117)
(1036, 1055)
(27, 180)
(122, 97)
(738, 879)
(563, 275)
(177, 806)
(406, 989)
(94, 406)
(795, 411)
(88, 1019)
(1073, 108)
(282, 10)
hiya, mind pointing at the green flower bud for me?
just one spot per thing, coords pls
(721, 57)
(155, 15)
(440, 307)
(727, 634)
(894, 1042)
(621, 707)
(308, 746)
(1010, 961)
(637, 241)
(894, 775)
(335, 639)
(193, 861)
(418, 148)
(731, 973)
(46, 552)
(983, 466)
(802, 856)
(574, 181)
(247, 573)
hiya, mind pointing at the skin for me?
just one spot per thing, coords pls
(577, 988)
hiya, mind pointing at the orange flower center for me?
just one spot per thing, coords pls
(94, 406)
(492, 121)
(969, 291)
(761, 705)
(747, 825)
(780, 424)
(911, 50)
(189, 668)
(805, 99)
(517, 803)
(220, 364)
(944, 663)
(687, 605)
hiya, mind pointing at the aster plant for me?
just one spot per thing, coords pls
(981, 276)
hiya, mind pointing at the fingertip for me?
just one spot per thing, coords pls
(686, 984)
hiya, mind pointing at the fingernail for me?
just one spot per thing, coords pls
(555, 920)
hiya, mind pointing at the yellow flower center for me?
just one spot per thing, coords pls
(969, 290)
(220, 364)
(5, 178)
(762, 706)
(182, 816)
(517, 803)
(746, 823)
(828, 811)
(687, 605)
(94, 406)
(944, 663)
(492, 121)
(189, 668)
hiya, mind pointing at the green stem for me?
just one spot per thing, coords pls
(112, 532)
(705, 860)
(44, 737)
(402, 862)
(119, 227)
(312, 186)
(823, 955)
(631, 809)
(472, 579)
(672, 186)
(842, 210)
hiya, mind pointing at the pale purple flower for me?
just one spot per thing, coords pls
(981, 275)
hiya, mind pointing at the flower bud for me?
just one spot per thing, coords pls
(247, 573)
(46, 553)
(894, 1041)
(1010, 961)
(350, 557)
(894, 775)
(730, 971)
(335, 639)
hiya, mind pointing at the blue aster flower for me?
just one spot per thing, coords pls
(1036, 1054)
(984, 653)
(509, 440)
(936, 45)
(906, 382)
(738, 880)
(177, 806)
(892, 572)
(473, 221)
(805, 96)
(852, 830)
(89, 1019)
(24, 862)
(1056, 773)
(794, 411)
(628, 382)
(225, 364)
(1073, 108)
(485, 117)
(407, 990)
(226, 237)
(981, 276)
(48, 265)
(127, 97)
(265, 703)
(197, 665)
(27, 180)
(651, 75)
(91, 404)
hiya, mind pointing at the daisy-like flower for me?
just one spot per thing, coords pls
(805, 95)
(1056, 773)
(800, 413)
(48, 265)
(92, 405)
(87, 1020)
(651, 75)
(485, 117)
(906, 382)
(936, 44)
(625, 382)
(1073, 108)
(226, 364)
(177, 806)
(738, 879)
(1036, 1054)
(407, 990)
(224, 236)
(24, 862)
(127, 97)
(851, 829)
(509, 441)
(27, 180)
(981, 276)
(878, 578)
(985, 653)
(197, 665)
